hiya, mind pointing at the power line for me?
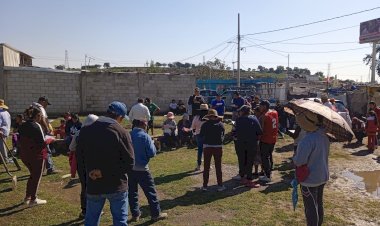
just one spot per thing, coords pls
(315, 52)
(304, 36)
(208, 50)
(298, 43)
(315, 22)
(261, 47)
(217, 53)
(228, 53)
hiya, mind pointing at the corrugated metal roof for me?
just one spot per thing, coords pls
(5, 44)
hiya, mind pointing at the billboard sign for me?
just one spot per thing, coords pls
(370, 31)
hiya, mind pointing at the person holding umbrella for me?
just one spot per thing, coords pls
(311, 158)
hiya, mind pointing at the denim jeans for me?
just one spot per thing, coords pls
(146, 182)
(118, 206)
(200, 149)
(49, 161)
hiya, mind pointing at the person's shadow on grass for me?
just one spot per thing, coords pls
(13, 209)
(173, 177)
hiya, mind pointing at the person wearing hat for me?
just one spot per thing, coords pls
(248, 131)
(153, 109)
(107, 153)
(311, 161)
(144, 150)
(42, 104)
(325, 101)
(237, 102)
(269, 124)
(169, 127)
(219, 105)
(196, 125)
(80, 167)
(5, 128)
(212, 133)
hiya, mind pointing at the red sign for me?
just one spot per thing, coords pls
(370, 31)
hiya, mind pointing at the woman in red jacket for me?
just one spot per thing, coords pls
(371, 129)
(33, 153)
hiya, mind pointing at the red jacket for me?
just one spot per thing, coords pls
(371, 126)
(270, 127)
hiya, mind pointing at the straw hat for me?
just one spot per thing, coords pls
(2, 104)
(307, 121)
(170, 115)
(212, 113)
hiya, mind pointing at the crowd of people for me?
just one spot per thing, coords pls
(111, 162)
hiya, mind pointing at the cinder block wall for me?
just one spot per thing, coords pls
(89, 92)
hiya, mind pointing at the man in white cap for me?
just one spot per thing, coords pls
(5, 127)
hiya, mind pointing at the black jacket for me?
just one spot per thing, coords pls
(248, 129)
(107, 146)
(212, 132)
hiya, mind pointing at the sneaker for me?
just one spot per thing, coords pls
(26, 201)
(204, 188)
(221, 188)
(37, 202)
(265, 179)
(135, 219)
(237, 177)
(160, 217)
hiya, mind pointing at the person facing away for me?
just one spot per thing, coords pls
(311, 160)
(219, 105)
(248, 131)
(107, 153)
(144, 150)
(153, 109)
(212, 133)
(139, 112)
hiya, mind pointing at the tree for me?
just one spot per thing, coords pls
(106, 65)
(280, 69)
(261, 68)
(158, 64)
(319, 74)
(368, 60)
(271, 70)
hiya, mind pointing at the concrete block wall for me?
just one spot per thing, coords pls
(87, 91)
(25, 86)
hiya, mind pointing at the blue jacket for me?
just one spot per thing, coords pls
(144, 149)
(248, 130)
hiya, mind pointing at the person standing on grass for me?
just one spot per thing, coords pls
(33, 153)
(248, 131)
(107, 152)
(80, 164)
(5, 129)
(42, 104)
(372, 107)
(196, 127)
(139, 112)
(269, 124)
(195, 102)
(212, 133)
(144, 150)
(219, 105)
(371, 129)
(153, 109)
(311, 159)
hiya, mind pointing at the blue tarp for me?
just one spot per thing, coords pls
(219, 84)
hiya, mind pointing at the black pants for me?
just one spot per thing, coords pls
(266, 151)
(82, 178)
(313, 202)
(246, 153)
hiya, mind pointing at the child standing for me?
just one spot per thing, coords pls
(170, 130)
(59, 132)
(16, 136)
(371, 129)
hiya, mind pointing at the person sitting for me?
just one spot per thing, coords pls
(184, 130)
(181, 107)
(170, 129)
(358, 127)
(173, 107)
(16, 136)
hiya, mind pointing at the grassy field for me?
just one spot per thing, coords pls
(178, 188)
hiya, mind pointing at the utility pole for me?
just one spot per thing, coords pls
(373, 75)
(288, 59)
(238, 56)
(85, 61)
(66, 60)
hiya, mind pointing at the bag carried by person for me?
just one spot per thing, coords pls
(302, 172)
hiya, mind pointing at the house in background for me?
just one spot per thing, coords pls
(11, 57)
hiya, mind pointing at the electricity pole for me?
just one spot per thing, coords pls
(373, 75)
(238, 56)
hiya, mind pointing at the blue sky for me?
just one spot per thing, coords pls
(131, 32)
